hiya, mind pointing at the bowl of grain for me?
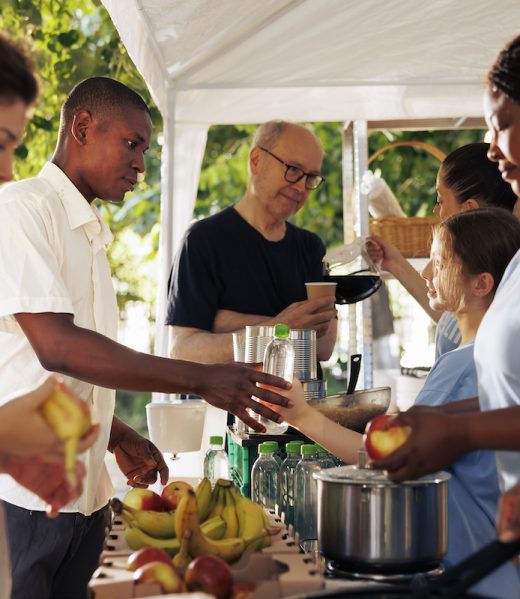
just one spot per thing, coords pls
(354, 411)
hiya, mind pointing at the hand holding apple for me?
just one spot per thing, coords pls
(209, 574)
(383, 435)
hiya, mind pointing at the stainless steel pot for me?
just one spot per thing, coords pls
(370, 524)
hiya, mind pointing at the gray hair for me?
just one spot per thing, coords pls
(269, 133)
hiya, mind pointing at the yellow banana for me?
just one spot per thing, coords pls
(183, 558)
(229, 550)
(252, 519)
(203, 493)
(229, 515)
(136, 539)
(217, 502)
(214, 528)
(160, 525)
(70, 419)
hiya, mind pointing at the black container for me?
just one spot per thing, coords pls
(354, 287)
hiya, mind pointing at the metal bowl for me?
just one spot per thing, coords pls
(354, 411)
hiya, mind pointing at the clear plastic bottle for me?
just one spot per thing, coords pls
(306, 495)
(278, 360)
(325, 459)
(216, 464)
(287, 480)
(265, 478)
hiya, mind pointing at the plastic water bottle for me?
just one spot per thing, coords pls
(306, 495)
(278, 360)
(325, 459)
(216, 464)
(287, 480)
(265, 478)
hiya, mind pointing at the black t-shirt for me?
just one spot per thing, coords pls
(226, 264)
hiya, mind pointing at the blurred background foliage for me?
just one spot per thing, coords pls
(75, 39)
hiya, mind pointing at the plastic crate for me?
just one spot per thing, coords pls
(243, 451)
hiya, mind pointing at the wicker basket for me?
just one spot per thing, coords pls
(412, 235)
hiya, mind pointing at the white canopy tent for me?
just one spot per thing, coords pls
(243, 61)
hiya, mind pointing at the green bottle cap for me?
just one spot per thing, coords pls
(216, 440)
(265, 448)
(282, 331)
(292, 447)
(308, 450)
(298, 442)
(320, 449)
(272, 444)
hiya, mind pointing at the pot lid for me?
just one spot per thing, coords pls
(370, 476)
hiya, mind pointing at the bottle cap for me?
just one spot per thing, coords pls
(266, 448)
(272, 444)
(308, 449)
(320, 449)
(293, 447)
(216, 440)
(282, 331)
(298, 442)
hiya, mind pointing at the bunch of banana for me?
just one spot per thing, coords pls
(203, 493)
(230, 549)
(70, 419)
(137, 537)
(142, 530)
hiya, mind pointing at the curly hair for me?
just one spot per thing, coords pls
(504, 74)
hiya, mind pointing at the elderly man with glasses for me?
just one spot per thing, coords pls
(247, 265)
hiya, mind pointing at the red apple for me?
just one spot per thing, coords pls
(144, 499)
(243, 590)
(383, 436)
(147, 554)
(209, 574)
(161, 573)
(172, 493)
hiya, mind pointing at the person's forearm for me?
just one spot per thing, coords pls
(200, 346)
(496, 429)
(458, 407)
(325, 344)
(341, 442)
(412, 281)
(89, 356)
(227, 321)
(117, 432)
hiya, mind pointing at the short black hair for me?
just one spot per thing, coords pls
(504, 74)
(17, 73)
(100, 96)
(469, 174)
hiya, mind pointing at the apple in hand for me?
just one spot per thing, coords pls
(161, 573)
(172, 493)
(383, 436)
(147, 554)
(209, 574)
(144, 499)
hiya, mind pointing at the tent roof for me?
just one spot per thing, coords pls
(232, 61)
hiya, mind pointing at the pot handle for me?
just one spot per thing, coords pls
(458, 579)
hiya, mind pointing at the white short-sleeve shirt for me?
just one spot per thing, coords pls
(52, 259)
(497, 357)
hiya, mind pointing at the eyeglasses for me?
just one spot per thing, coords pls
(293, 174)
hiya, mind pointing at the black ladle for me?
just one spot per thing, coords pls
(355, 366)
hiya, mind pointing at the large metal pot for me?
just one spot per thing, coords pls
(369, 524)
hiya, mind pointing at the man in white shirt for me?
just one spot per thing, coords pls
(58, 313)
